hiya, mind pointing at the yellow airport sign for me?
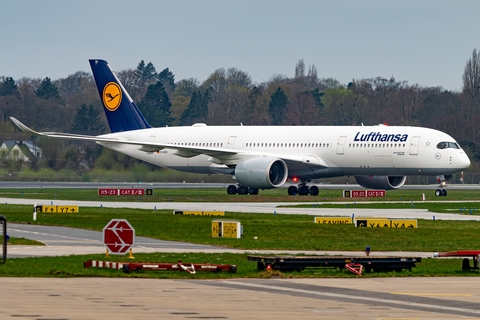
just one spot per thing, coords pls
(385, 223)
(213, 213)
(67, 209)
(199, 213)
(216, 229)
(57, 209)
(403, 223)
(372, 223)
(333, 220)
(227, 229)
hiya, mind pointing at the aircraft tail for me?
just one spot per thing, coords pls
(122, 113)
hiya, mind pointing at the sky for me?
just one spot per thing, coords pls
(422, 42)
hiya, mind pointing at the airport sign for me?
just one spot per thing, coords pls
(118, 236)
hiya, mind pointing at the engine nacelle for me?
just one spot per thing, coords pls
(262, 172)
(381, 182)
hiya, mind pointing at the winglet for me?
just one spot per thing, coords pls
(122, 113)
(25, 128)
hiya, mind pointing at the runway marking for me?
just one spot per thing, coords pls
(403, 304)
(55, 235)
(419, 294)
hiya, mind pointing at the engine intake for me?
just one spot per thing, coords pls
(381, 182)
(262, 172)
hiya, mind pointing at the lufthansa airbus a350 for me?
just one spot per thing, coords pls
(264, 157)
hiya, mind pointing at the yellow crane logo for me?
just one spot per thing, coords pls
(112, 96)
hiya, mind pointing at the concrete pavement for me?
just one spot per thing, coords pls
(98, 298)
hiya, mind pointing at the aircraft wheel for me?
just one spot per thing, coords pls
(303, 191)
(231, 189)
(314, 191)
(438, 193)
(242, 190)
(253, 191)
(292, 190)
(444, 192)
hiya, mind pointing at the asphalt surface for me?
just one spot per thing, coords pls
(117, 298)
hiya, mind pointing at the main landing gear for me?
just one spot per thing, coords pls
(303, 190)
(232, 189)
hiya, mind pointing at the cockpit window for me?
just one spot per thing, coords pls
(446, 145)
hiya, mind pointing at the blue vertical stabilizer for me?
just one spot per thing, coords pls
(122, 113)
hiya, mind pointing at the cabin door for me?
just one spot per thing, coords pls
(414, 146)
(341, 145)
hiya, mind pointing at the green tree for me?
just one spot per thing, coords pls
(52, 150)
(277, 105)
(167, 78)
(88, 120)
(186, 87)
(146, 73)
(9, 87)
(156, 105)
(197, 109)
(47, 90)
(343, 107)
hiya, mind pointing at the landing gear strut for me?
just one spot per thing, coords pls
(303, 190)
(232, 189)
(440, 192)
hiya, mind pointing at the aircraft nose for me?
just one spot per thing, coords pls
(464, 161)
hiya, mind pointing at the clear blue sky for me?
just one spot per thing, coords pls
(424, 42)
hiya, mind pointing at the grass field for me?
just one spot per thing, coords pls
(220, 195)
(280, 232)
(72, 266)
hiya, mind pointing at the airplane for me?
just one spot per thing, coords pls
(265, 157)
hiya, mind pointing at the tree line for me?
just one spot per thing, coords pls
(230, 97)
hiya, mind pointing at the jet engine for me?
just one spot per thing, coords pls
(262, 172)
(381, 182)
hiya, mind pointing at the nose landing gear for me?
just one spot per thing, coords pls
(440, 192)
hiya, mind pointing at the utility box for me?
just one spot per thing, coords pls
(227, 229)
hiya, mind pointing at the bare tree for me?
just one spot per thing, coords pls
(302, 110)
(300, 69)
(471, 76)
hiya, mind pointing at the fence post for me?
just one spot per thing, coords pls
(3, 221)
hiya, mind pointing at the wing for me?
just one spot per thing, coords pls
(218, 155)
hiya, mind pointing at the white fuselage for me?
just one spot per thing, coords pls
(326, 151)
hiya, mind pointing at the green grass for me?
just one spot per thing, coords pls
(21, 242)
(72, 266)
(273, 232)
(220, 195)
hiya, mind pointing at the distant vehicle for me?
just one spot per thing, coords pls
(265, 157)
